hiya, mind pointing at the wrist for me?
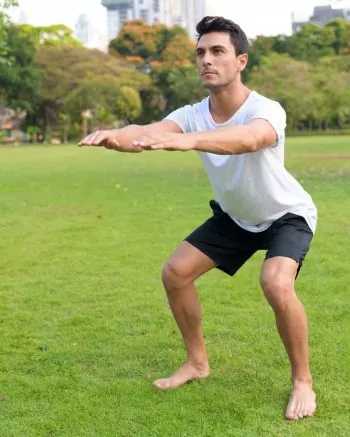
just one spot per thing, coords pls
(196, 141)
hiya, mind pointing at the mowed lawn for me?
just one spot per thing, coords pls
(85, 326)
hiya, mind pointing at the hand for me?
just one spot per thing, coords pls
(167, 141)
(110, 140)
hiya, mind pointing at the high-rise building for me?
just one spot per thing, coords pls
(175, 13)
(118, 11)
(169, 12)
(321, 16)
(82, 29)
(193, 11)
(22, 18)
(88, 35)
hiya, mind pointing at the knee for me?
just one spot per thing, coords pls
(278, 290)
(175, 275)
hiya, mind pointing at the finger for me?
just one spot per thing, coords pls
(141, 142)
(147, 141)
(110, 144)
(159, 146)
(94, 139)
(113, 142)
(86, 141)
(99, 139)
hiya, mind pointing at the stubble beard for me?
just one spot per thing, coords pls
(216, 87)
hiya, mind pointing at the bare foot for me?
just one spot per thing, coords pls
(186, 373)
(302, 402)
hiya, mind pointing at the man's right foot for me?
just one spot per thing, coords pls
(302, 401)
(186, 373)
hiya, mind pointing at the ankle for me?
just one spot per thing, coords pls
(200, 363)
(302, 381)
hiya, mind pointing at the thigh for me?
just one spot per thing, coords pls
(289, 237)
(223, 241)
(189, 263)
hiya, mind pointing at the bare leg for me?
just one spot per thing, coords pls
(277, 281)
(179, 274)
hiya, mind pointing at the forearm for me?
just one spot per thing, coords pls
(124, 137)
(134, 131)
(231, 140)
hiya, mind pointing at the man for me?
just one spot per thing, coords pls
(239, 135)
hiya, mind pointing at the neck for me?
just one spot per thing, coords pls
(224, 102)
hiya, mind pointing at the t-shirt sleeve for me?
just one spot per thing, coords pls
(181, 117)
(274, 113)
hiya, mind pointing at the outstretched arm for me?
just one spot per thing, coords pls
(230, 140)
(123, 140)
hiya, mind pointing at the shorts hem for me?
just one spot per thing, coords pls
(219, 266)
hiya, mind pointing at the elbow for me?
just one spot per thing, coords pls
(250, 144)
(254, 146)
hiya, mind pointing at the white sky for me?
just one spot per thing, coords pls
(256, 17)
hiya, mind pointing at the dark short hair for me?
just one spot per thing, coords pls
(220, 24)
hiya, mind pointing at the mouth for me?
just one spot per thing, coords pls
(206, 73)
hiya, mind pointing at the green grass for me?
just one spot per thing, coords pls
(84, 323)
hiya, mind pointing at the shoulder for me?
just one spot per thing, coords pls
(187, 116)
(196, 109)
(261, 107)
(190, 112)
(260, 103)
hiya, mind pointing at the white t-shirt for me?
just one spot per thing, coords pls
(254, 189)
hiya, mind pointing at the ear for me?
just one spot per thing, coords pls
(242, 62)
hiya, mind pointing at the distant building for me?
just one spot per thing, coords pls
(193, 11)
(83, 30)
(185, 13)
(88, 35)
(22, 19)
(321, 16)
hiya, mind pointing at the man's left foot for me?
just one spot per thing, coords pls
(302, 402)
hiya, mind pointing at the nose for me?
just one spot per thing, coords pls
(206, 59)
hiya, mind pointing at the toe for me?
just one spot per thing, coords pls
(290, 414)
(158, 384)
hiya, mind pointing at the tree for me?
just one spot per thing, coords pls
(8, 3)
(168, 56)
(128, 105)
(19, 79)
(341, 29)
(263, 46)
(180, 52)
(55, 35)
(312, 42)
(147, 44)
(65, 123)
(137, 38)
(338, 63)
(335, 94)
(182, 86)
(4, 26)
(289, 82)
(77, 78)
(4, 23)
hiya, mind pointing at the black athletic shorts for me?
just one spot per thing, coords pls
(230, 246)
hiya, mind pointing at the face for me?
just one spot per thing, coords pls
(217, 63)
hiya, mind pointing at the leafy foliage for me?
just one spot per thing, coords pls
(76, 79)
(55, 35)
(151, 70)
(19, 79)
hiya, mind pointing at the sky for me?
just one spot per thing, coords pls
(256, 17)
